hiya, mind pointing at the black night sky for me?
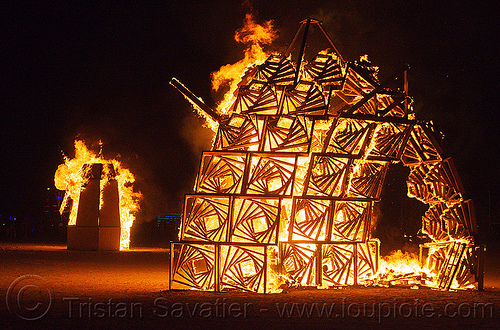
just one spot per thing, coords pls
(101, 71)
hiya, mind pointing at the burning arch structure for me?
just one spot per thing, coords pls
(298, 161)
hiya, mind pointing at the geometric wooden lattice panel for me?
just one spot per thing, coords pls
(351, 221)
(305, 98)
(326, 70)
(270, 175)
(328, 175)
(298, 160)
(311, 219)
(329, 264)
(350, 136)
(367, 179)
(422, 147)
(256, 98)
(367, 259)
(206, 218)
(193, 266)
(389, 141)
(432, 224)
(338, 264)
(221, 173)
(243, 267)
(284, 134)
(236, 133)
(299, 262)
(255, 220)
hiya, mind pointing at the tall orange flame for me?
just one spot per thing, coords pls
(69, 177)
(254, 36)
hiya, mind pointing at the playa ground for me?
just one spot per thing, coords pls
(48, 286)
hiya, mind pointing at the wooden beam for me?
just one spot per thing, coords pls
(194, 99)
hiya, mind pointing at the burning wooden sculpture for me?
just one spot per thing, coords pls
(298, 160)
(96, 228)
(99, 199)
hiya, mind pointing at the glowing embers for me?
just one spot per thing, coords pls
(324, 220)
(238, 132)
(329, 264)
(217, 267)
(255, 220)
(221, 173)
(271, 175)
(256, 98)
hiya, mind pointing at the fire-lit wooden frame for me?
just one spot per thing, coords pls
(295, 168)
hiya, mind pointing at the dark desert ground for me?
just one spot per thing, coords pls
(91, 289)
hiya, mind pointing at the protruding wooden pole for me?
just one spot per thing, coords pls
(301, 53)
(193, 98)
(406, 90)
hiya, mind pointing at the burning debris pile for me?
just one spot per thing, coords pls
(90, 179)
(299, 158)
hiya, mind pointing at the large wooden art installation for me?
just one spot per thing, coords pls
(297, 163)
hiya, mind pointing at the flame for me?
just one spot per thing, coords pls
(397, 268)
(400, 262)
(401, 268)
(254, 36)
(69, 176)
(276, 279)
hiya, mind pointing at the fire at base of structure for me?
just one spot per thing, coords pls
(299, 158)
